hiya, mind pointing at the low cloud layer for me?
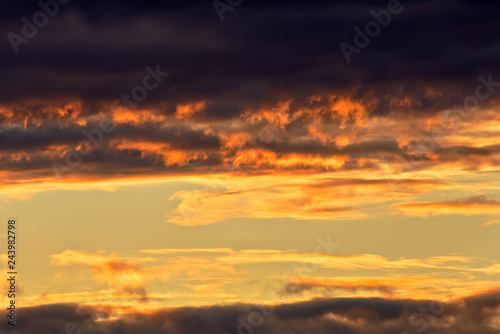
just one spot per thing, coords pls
(476, 314)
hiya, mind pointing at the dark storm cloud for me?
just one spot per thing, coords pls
(130, 148)
(339, 315)
(355, 150)
(297, 288)
(16, 138)
(264, 51)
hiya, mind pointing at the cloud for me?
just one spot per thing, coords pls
(125, 277)
(297, 107)
(104, 61)
(231, 257)
(475, 205)
(437, 286)
(304, 198)
(386, 286)
(128, 277)
(492, 222)
(349, 315)
(146, 143)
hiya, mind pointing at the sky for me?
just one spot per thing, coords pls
(248, 166)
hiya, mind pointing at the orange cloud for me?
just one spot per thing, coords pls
(477, 205)
(123, 276)
(492, 222)
(188, 110)
(305, 198)
(130, 276)
(230, 257)
(415, 287)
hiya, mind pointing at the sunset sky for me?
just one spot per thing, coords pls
(185, 167)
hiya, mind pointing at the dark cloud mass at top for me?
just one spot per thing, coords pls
(262, 52)
(262, 55)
